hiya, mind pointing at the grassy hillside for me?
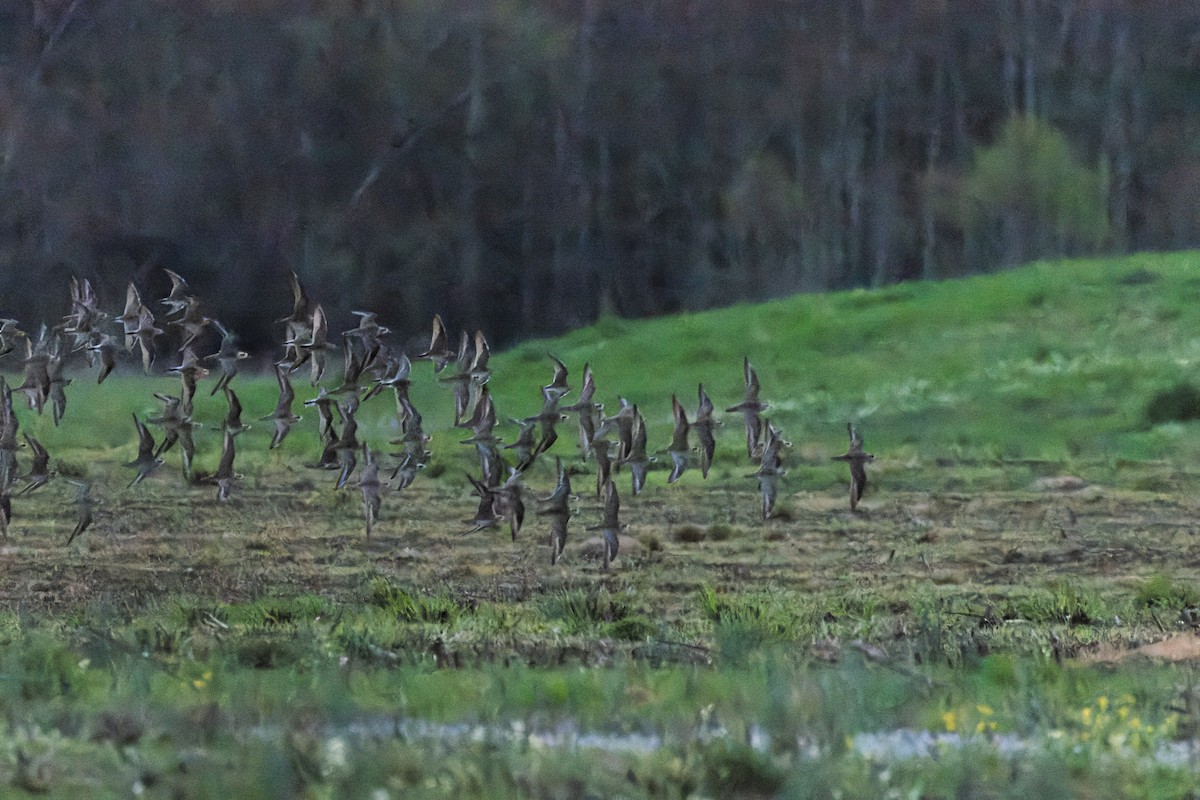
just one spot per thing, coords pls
(985, 381)
(1055, 361)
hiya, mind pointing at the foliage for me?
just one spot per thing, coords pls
(1030, 178)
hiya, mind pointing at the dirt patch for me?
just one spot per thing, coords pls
(1175, 649)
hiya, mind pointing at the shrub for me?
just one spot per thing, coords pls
(1179, 403)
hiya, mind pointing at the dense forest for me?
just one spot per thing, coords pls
(525, 165)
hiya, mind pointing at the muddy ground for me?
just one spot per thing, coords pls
(289, 532)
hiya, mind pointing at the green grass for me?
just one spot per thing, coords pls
(182, 648)
(1068, 365)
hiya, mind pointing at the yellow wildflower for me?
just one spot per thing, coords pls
(950, 720)
(985, 710)
(1102, 702)
(1086, 715)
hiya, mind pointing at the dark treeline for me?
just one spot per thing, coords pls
(524, 166)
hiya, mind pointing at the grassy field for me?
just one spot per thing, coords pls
(1012, 612)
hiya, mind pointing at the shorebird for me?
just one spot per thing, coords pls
(347, 448)
(857, 459)
(485, 514)
(413, 436)
(147, 461)
(610, 528)
(225, 476)
(622, 423)
(557, 387)
(770, 467)
(177, 427)
(369, 483)
(509, 503)
(558, 508)
(233, 417)
(143, 337)
(704, 425)
(405, 472)
(600, 449)
(55, 365)
(36, 383)
(460, 380)
(106, 347)
(39, 471)
(637, 459)
(678, 449)
(9, 334)
(750, 407)
(282, 416)
(311, 351)
(587, 411)
(396, 375)
(181, 297)
(298, 324)
(131, 317)
(525, 446)
(546, 420)
(84, 506)
(189, 371)
(367, 334)
(439, 351)
(227, 357)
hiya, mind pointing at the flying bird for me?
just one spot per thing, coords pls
(282, 416)
(147, 461)
(857, 460)
(750, 407)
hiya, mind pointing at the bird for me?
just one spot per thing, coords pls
(106, 347)
(678, 449)
(367, 334)
(857, 460)
(704, 425)
(147, 461)
(610, 527)
(600, 449)
(461, 379)
(770, 467)
(439, 351)
(369, 483)
(405, 472)
(9, 334)
(525, 445)
(557, 506)
(638, 461)
(485, 513)
(189, 371)
(282, 416)
(313, 350)
(225, 476)
(509, 503)
(750, 407)
(233, 417)
(347, 448)
(39, 471)
(298, 324)
(557, 387)
(84, 506)
(546, 421)
(177, 427)
(227, 357)
(587, 412)
(622, 423)
(180, 297)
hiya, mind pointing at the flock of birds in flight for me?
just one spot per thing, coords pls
(369, 368)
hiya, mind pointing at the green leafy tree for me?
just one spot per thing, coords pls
(1029, 194)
